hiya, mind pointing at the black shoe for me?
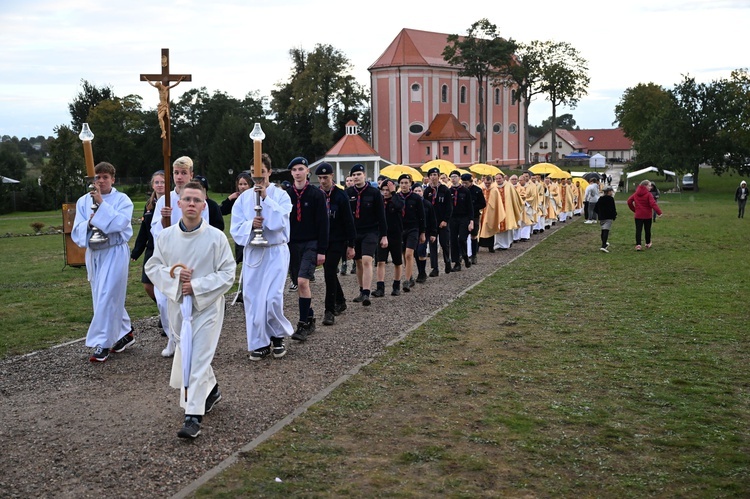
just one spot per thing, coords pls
(422, 278)
(99, 354)
(329, 318)
(338, 308)
(260, 353)
(473, 259)
(456, 268)
(292, 287)
(378, 293)
(213, 398)
(447, 268)
(279, 350)
(240, 299)
(412, 282)
(310, 325)
(124, 342)
(302, 331)
(492, 250)
(405, 286)
(396, 292)
(191, 428)
(467, 262)
(359, 298)
(434, 273)
(366, 300)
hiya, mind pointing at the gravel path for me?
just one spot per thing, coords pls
(74, 429)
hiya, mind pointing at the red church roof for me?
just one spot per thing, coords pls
(413, 47)
(445, 127)
(351, 144)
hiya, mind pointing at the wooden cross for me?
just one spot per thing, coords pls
(161, 82)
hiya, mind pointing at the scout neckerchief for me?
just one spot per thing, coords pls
(299, 200)
(403, 209)
(359, 198)
(454, 191)
(328, 198)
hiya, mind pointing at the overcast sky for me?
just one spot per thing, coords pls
(47, 47)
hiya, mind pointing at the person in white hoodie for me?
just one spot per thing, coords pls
(590, 197)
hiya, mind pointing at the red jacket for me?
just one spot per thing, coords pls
(642, 202)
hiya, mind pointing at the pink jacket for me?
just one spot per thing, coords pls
(642, 202)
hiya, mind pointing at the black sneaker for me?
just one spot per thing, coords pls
(359, 298)
(467, 262)
(329, 318)
(412, 282)
(456, 268)
(310, 325)
(366, 300)
(378, 293)
(279, 350)
(292, 287)
(405, 286)
(396, 292)
(191, 428)
(422, 278)
(447, 268)
(124, 342)
(434, 273)
(338, 308)
(99, 354)
(312, 278)
(473, 259)
(213, 398)
(302, 331)
(260, 353)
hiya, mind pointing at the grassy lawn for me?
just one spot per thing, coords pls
(569, 373)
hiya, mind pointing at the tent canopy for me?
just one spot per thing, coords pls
(629, 175)
(597, 161)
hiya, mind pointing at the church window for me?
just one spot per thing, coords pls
(513, 128)
(416, 128)
(463, 94)
(444, 93)
(497, 128)
(416, 92)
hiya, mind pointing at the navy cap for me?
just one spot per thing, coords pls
(299, 160)
(403, 176)
(324, 169)
(433, 170)
(359, 167)
(202, 180)
(455, 172)
(467, 176)
(417, 184)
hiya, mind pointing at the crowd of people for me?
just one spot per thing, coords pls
(396, 227)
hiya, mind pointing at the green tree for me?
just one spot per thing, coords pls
(734, 134)
(65, 171)
(484, 55)
(116, 124)
(563, 78)
(88, 98)
(12, 162)
(564, 121)
(637, 107)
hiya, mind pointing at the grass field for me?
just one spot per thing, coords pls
(569, 373)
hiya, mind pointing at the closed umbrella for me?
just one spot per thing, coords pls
(186, 333)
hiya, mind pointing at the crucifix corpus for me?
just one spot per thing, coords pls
(161, 82)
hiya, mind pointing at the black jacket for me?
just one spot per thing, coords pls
(441, 202)
(144, 241)
(340, 219)
(605, 208)
(311, 223)
(413, 212)
(371, 214)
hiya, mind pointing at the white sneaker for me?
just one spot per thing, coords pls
(169, 350)
(604, 250)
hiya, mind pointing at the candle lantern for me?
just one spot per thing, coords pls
(86, 136)
(257, 136)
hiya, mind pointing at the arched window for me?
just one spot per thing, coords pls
(497, 128)
(497, 96)
(416, 92)
(444, 93)
(416, 128)
(463, 94)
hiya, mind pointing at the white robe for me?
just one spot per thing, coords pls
(107, 264)
(156, 228)
(207, 251)
(264, 268)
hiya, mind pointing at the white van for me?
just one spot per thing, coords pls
(687, 182)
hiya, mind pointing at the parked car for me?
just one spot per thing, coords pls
(687, 182)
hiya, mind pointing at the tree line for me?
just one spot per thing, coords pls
(690, 125)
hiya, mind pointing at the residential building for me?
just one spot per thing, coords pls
(610, 143)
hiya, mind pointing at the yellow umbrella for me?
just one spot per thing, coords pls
(544, 168)
(560, 174)
(581, 181)
(443, 165)
(484, 169)
(395, 171)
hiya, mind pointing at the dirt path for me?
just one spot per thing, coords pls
(73, 429)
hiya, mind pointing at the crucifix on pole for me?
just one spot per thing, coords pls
(161, 82)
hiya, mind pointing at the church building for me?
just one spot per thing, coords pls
(423, 110)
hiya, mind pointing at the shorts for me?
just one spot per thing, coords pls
(146, 255)
(409, 239)
(307, 256)
(394, 249)
(365, 245)
(606, 224)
